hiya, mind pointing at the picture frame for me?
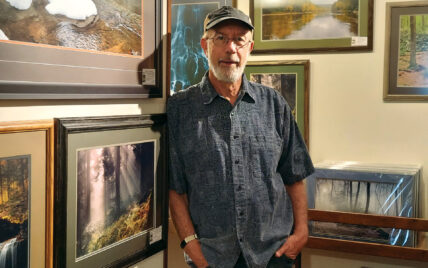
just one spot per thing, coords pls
(186, 59)
(26, 176)
(366, 189)
(292, 81)
(52, 58)
(405, 75)
(111, 190)
(296, 28)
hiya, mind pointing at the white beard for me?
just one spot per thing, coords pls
(227, 74)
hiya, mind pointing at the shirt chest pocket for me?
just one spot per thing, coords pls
(193, 142)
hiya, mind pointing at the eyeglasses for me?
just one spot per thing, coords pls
(221, 41)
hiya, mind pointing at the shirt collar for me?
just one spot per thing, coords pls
(209, 93)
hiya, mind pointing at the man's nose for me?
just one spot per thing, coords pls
(231, 47)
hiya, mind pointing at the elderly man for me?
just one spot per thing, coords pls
(237, 160)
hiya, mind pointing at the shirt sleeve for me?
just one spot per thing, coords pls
(177, 181)
(295, 164)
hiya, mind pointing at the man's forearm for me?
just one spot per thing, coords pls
(297, 193)
(183, 224)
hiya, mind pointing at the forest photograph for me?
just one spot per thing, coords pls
(97, 25)
(413, 51)
(14, 211)
(115, 195)
(309, 19)
(284, 83)
(388, 199)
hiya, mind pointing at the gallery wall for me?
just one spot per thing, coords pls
(348, 121)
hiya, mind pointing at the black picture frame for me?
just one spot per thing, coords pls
(81, 133)
(37, 71)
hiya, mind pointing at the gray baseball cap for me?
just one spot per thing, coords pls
(226, 13)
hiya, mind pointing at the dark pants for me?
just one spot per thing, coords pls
(274, 262)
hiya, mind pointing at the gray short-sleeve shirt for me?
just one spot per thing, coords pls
(233, 163)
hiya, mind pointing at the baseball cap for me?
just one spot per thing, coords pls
(226, 13)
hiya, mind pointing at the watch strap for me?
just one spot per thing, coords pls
(188, 239)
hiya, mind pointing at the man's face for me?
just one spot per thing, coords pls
(227, 61)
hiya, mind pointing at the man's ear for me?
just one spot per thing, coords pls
(204, 46)
(251, 46)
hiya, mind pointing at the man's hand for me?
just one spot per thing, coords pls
(292, 246)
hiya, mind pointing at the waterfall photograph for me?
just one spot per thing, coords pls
(97, 25)
(115, 194)
(14, 211)
(309, 19)
(188, 61)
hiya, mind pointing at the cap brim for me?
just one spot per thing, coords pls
(214, 23)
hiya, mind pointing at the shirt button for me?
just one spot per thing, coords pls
(236, 161)
(232, 114)
(235, 137)
(241, 213)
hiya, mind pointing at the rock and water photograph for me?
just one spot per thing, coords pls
(113, 26)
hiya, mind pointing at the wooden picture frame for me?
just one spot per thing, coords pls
(35, 65)
(295, 28)
(406, 75)
(125, 157)
(186, 60)
(296, 93)
(34, 141)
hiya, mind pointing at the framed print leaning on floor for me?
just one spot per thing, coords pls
(26, 193)
(312, 26)
(291, 79)
(110, 194)
(406, 51)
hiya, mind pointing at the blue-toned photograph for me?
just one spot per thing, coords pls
(188, 61)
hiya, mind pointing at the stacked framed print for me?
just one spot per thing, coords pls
(406, 51)
(88, 49)
(187, 61)
(291, 79)
(375, 189)
(26, 193)
(312, 26)
(110, 193)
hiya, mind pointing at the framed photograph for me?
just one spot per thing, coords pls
(406, 51)
(312, 26)
(26, 193)
(89, 49)
(291, 79)
(111, 192)
(188, 62)
(355, 188)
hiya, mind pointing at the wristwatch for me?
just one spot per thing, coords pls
(188, 239)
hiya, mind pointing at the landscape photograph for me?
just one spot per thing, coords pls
(113, 26)
(15, 175)
(115, 195)
(309, 19)
(413, 54)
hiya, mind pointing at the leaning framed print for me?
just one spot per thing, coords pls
(26, 193)
(406, 51)
(187, 60)
(291, 79)
(312, 26)
(88, 49)
(110, 192)
(371, 189)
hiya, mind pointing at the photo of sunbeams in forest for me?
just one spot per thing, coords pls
(413, 55)
(284, 83)
(98, 25)
(115, 194)
(14, 211)
(387, 199)
(309, 19)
